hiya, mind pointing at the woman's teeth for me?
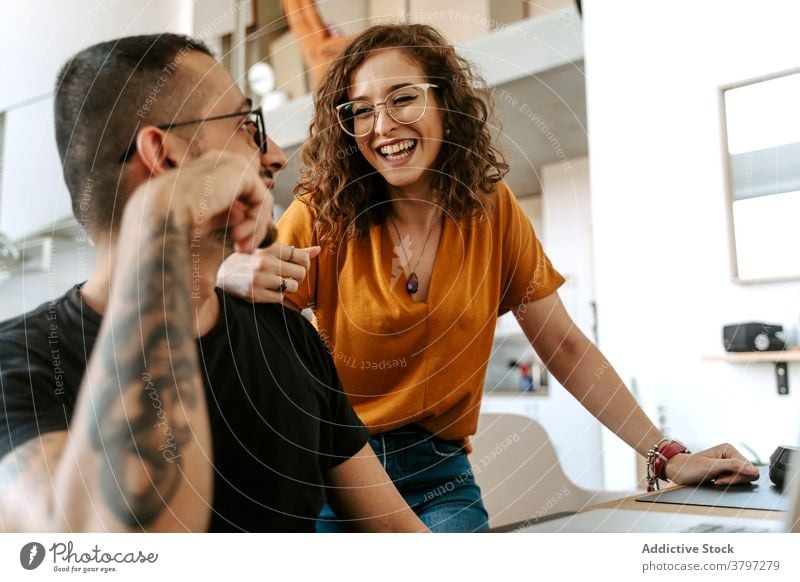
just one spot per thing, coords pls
(398, 151)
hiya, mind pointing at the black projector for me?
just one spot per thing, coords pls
(752, 337)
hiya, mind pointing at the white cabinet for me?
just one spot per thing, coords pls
(34, 195)
(36, 38)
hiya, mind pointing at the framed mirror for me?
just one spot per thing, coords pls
(762, 139)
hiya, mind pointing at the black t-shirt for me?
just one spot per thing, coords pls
(279, 417)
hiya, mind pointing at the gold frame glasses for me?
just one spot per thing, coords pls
(357, 118)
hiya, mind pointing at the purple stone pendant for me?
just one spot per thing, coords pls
(413, 283)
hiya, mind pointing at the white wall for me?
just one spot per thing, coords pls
(654, 73)
(566, 233)
(36, 38)
(29, 285)
(567, 239)
(34, 195)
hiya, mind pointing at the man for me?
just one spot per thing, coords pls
(145, 399)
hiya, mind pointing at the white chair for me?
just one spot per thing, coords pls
(517, 469)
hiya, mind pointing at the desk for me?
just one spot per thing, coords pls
(630, 503)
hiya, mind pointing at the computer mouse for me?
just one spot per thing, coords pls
(778, 464)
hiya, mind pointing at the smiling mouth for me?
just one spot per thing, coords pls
(398, 151)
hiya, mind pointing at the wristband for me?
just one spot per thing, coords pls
(657, 460)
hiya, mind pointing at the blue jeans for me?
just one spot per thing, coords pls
(433, 476)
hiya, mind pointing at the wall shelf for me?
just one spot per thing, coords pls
(779, 358)
(746, 357)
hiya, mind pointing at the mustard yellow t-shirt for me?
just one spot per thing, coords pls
(403, 362)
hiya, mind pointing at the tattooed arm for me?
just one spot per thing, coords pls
(138, 453)
(26, 475)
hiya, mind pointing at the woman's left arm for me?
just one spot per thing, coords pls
(583, 370)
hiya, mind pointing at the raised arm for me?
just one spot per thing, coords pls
(574, 360)
(138, 452)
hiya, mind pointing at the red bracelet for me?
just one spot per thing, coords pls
(657, 461)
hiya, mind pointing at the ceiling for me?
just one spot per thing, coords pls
(543, 121)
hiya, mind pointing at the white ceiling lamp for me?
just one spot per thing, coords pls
(261, 78)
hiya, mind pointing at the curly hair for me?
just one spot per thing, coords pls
(345, 193)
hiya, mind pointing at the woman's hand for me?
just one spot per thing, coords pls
(722, 464)
(258, 277)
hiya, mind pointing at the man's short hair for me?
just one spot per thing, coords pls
(103, 95)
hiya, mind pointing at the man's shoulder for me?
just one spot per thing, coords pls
(24, 340)
(272, 322)
(266, 313)
(33, 321)
(32, 330)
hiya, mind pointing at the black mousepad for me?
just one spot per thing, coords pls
(760, 494)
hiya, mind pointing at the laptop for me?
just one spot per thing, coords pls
(653, 521)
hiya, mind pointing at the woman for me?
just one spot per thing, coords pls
(423, 246)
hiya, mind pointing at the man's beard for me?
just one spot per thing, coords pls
(269, 238)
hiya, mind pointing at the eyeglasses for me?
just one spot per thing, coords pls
(405, 105)
(255, 125)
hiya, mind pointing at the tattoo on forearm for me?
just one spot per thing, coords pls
(26, 480)
(147, 363)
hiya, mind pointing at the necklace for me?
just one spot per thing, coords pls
(413, 281)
